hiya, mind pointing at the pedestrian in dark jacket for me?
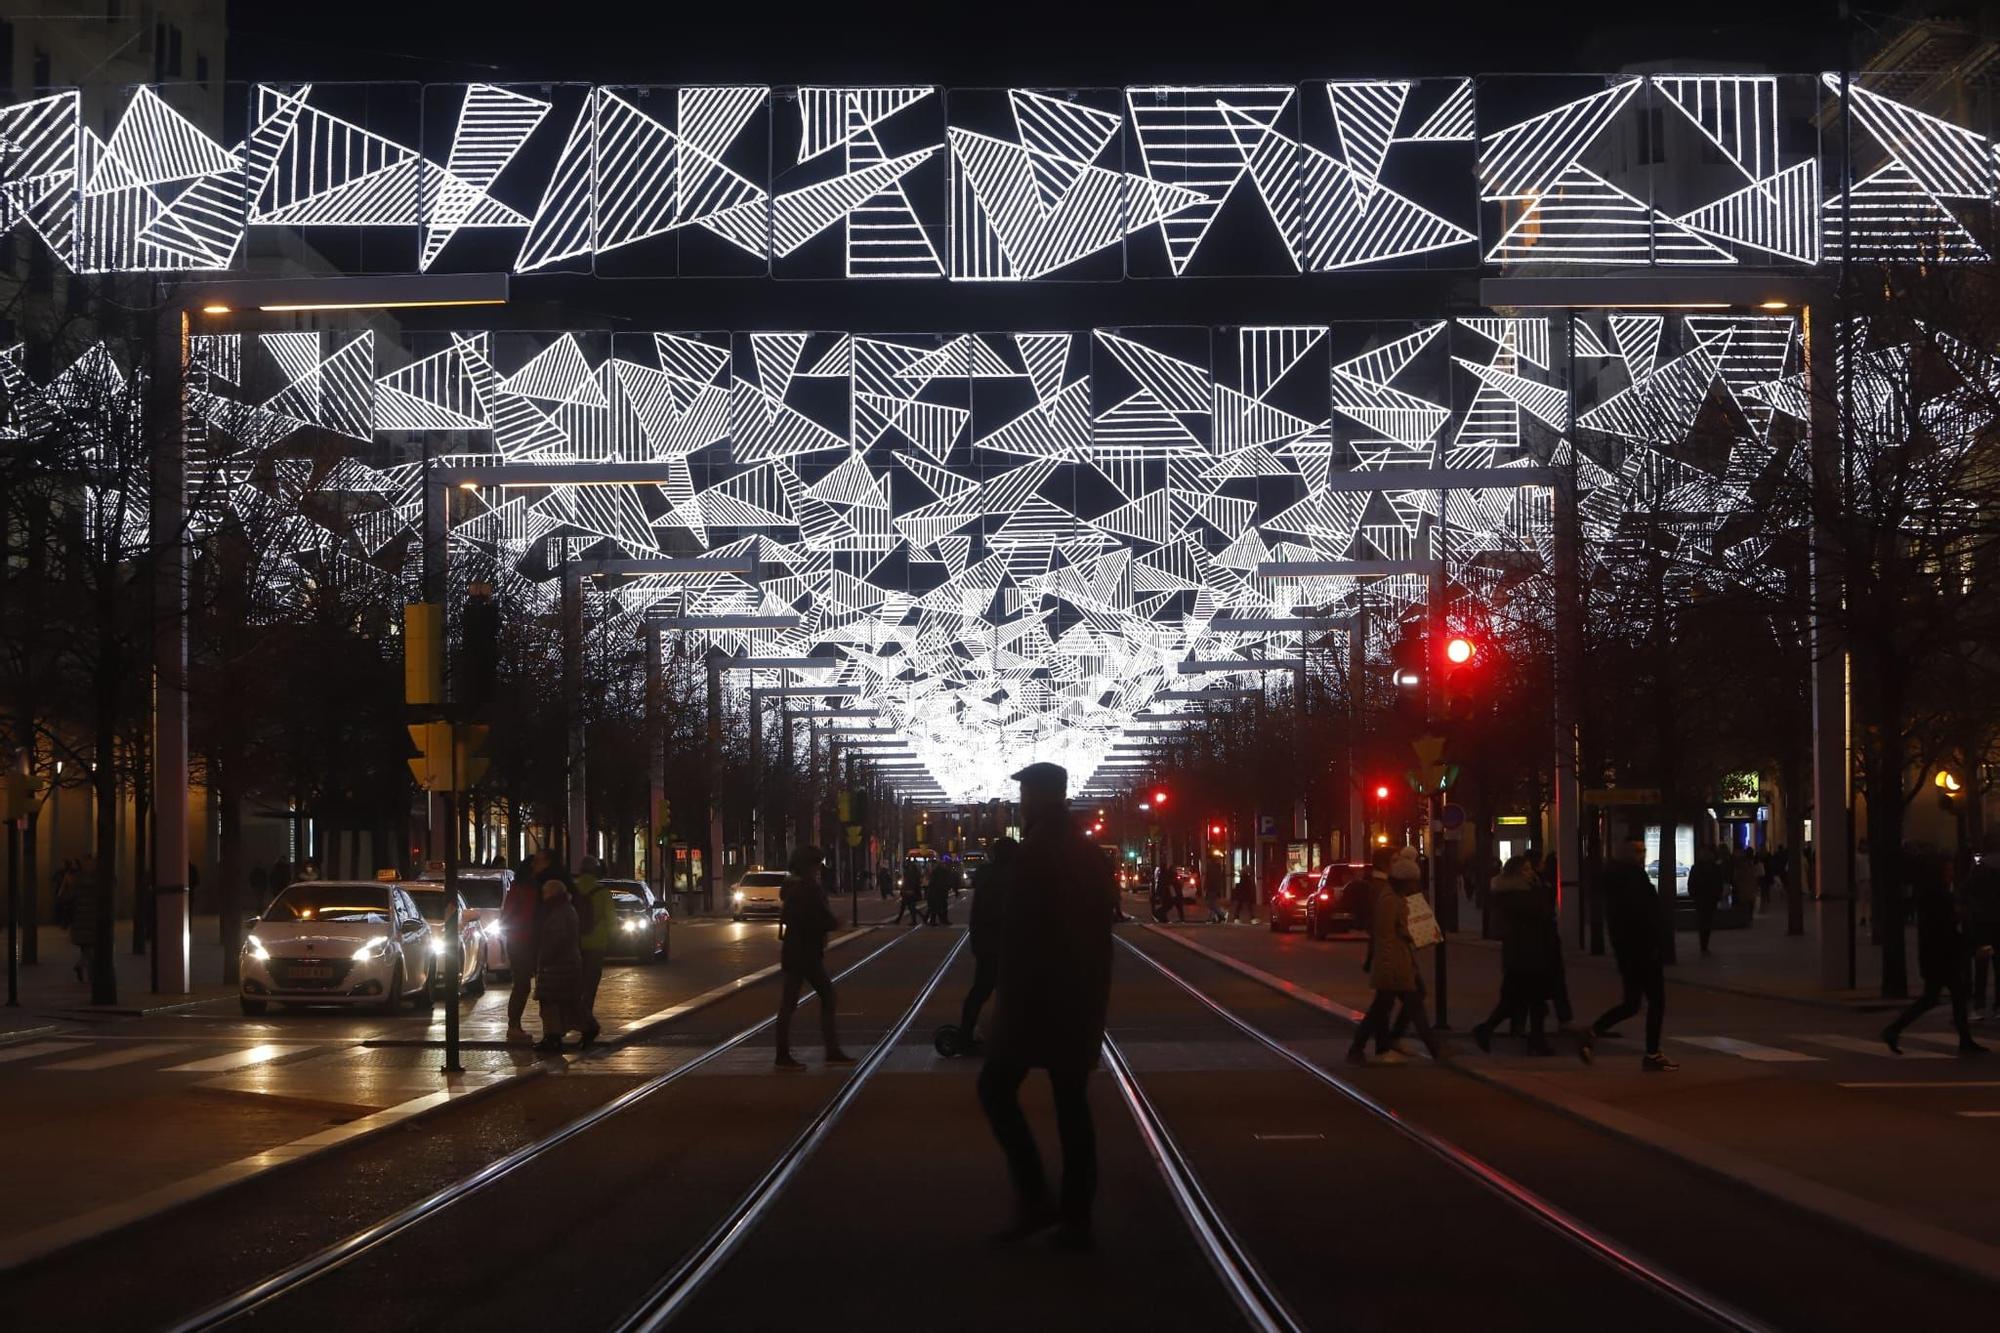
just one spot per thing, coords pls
(1632, 916)
(81, 891)
(1706, 881)
(519, 911)
(1517, 901)
(806, 919)
(1243, 900)
(990, 884)
(913, 895)
(558, 964)
(1055, 986)
(1942, 953)
(1982, 925)
(944, 882)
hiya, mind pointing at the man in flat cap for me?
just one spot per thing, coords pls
(1055, 982)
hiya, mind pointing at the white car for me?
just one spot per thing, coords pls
(432, 901)
(483, 890)
(756, 894)
(339, 942)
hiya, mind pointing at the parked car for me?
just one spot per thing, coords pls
(644, 926)
(756, 894)
(1338, 901)
(1288, 901)
(338, 942)
(434, 902)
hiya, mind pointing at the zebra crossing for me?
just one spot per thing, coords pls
(88, 1054)
(1815, 1047)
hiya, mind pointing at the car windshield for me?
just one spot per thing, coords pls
(481, 892)
(763, 879)
(431, 902)
(330, 902)
(626, 901)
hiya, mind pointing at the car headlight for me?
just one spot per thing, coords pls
(437, 945)
(374, 948)
(634, 924)
(738, 895)
(255, 948)
(493, 931)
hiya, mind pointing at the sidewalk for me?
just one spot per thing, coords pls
(50, 986)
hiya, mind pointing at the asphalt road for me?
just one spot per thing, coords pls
(1353, 1224)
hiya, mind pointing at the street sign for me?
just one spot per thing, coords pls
(1267, 826)
(854, 835)
(1621, 795)
(1429, 750)
(1452, 817)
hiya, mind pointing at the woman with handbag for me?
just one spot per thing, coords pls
(1393, 963)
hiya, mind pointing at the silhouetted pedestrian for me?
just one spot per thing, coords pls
(1243, 903)
(990, 884)
(913, 895)
(558, 964)
(1392, 965)
(1055, 985)
(595, 915)
(1705, 884)
(807, 919)
(1942, 953)
(519, 911)
(1516, 899)
(1632, 915)
(938, 892)
(1214, 882)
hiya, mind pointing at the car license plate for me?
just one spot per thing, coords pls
(312, 971)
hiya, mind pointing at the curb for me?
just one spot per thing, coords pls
(42, 1242)
(1857, 1005)
(1921, 1240)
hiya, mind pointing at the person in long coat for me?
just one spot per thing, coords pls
(1942, 954)
(558, 964)
(1392, 967)
(1517, 899)
(807, 919)
(988, 920)
(1055, 987)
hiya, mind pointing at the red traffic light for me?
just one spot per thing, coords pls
(1458, 650)
(1215, 830)
(1382, 791)
(1160, 797)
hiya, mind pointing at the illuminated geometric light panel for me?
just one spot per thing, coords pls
(996, 184)
(1007, 543)
(1660, 169)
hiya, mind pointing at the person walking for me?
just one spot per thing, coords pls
(1392, 966)
(807, 919)
(519, 912)
(938, 893)
(81, 911)
(1942, 953)
(1243, 903)
(558, 963)
(990, 884)
(1214, 881)
(594, 915)
(913, 895)
(1516, 898)
(1982, 927)
(1705, 884)
(885, 880)
(1632, 915)
(1055, 987)
(1745, 880)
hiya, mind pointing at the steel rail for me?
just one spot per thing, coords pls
(1549, 1214)
(1247, 1285)
(671, 1294)
(345, 1251)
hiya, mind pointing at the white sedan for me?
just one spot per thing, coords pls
(756, 894)
(339, 942)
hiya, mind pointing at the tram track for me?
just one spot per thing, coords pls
(444, 1208)
(1263, 1301)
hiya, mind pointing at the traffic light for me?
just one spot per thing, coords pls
(1381, 791)
(448, 758)
(1407, 673)
(1458, 650)
(1215, 832)
(1458, 674)
(1159, 797)
(423, 654)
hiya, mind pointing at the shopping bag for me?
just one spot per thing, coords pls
(1424, 930)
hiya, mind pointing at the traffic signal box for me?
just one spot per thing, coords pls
(446, 761)
(423, 655)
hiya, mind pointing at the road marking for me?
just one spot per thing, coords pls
(1981, 1115)
(1750, 1050)
(255, 1055)
(119, 1057)
(1286, 1138)
(1934, 1038)
(1933, 1083)
(1864, 1046)
(35, 1048)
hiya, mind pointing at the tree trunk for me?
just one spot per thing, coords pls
(142, 879)
(104, 974)
(1882, 764)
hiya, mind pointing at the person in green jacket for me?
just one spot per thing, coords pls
(593, 906)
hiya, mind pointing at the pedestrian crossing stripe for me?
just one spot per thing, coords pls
(35, 1048)
(1750, 1050)
(123, 1056)
(1865, 1046)
(217, 1064)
